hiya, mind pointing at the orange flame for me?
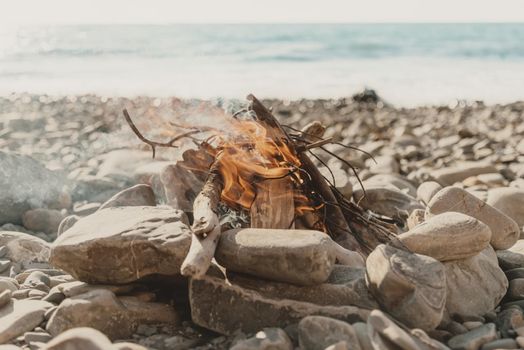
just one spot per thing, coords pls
(247, 156)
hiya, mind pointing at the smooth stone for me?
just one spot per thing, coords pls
(466, 277)
(383, 165)
(508, 200)
(123, 244)
(318, 332)
(395, 180)
(448, 236)
(27, 184)
(474, 339)
(389, 202)
(228, 309)
(266, 339)
(427, 190)
(472, 324)
(67, 223)
(71, 289)
(20, 294)
(40, 337)
(385, 334)
(513, 257)
(508, 320)
(507, 343)
(345, 286)
(37, 280)
(361, 330)
(450, 175)
(492, 179)
(5, 297)
(83, 338)
(24, 249)
(419, 283)
(42, 220)
(517, 272)
(516, 289)
(301, 257)
(20, 316)
(136, 196)
(416, 217)
(116, 317)
(504, 230)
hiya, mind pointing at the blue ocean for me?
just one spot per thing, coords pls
(407, 64)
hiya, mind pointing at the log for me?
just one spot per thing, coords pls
(206, 226)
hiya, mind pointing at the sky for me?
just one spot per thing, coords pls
(22, 12)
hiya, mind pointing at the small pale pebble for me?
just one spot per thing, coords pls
(41, 337)
(5, 297)
(36, 293)
(20, 294)
(472, 324)
(4, 265)
(8, 283)
(3, 251)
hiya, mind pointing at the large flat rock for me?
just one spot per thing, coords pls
(345, 286)
(123, 244)
(302, 257)
(227, 308)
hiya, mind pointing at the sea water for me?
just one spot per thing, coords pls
(407, 64)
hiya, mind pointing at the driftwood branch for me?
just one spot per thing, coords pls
(206, 226)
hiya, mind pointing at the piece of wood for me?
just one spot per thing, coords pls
(206, 226)
(274, 205)
(335, 221)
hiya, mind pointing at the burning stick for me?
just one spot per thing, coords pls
(206, 226)
(337, 224)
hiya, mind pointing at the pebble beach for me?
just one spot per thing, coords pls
(449, 179)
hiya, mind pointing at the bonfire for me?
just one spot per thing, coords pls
(262, 171)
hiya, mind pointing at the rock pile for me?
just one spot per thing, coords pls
(90, 252)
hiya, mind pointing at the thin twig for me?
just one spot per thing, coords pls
(314, 144)
(348, 164)
(335, 143)
(154, 144)
(326, 166)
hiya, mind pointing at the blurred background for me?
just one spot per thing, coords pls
(412, 52)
